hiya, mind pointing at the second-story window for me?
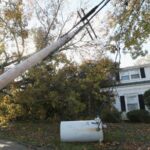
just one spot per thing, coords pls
(125, 76)
(135, 74)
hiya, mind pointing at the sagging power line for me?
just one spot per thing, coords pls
(91, 14)
(36, 58)
(89, 25)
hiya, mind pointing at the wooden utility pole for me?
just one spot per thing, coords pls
(9, 76)
(36, 58)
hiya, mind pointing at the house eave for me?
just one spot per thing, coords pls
(133, 83)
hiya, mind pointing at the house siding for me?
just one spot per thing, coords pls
(128, 87)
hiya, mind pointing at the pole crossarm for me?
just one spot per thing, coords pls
(9, 76)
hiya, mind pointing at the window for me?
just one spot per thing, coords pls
(133, 106)
(132, 102)
(135, 76)
(130, 74)
(125, 77)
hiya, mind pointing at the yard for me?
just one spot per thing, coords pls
(45, 135)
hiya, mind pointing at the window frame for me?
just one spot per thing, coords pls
(135, 72)
(130, 75)
(136, 101)
(123, 76)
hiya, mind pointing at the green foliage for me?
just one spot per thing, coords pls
(147, 98)
(139, 116)
(13, 23)
(58, 88)
(14, 19)
(111, 115)
(9, 110)
(2, 47)
(93, 76)
(131, 24)
(52, 90)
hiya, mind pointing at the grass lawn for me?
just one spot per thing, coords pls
(124, 136)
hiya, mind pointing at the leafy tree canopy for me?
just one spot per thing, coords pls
(129, 26)
(60, 88)
(13, 32)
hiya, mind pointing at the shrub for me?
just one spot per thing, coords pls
(139, 116)
(9, 111)
(111, 115)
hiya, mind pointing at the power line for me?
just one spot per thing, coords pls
(88, 20)
(86, 27)
(81, 27)
(89, 14)
(89, 24)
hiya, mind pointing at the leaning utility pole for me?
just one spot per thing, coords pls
(36, 58)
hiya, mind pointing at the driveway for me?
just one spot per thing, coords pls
(8, 145)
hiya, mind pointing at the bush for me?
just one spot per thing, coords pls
(111, 115)
(139, 116)
(9, 111)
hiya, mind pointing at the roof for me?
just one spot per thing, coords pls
(135, 66)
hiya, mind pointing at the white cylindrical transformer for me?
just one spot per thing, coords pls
(81, 131)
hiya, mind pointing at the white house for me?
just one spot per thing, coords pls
(132, 83)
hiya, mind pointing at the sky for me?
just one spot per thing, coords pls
(126, 59)
(75, 5)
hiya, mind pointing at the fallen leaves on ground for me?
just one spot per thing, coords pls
(123, 136)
